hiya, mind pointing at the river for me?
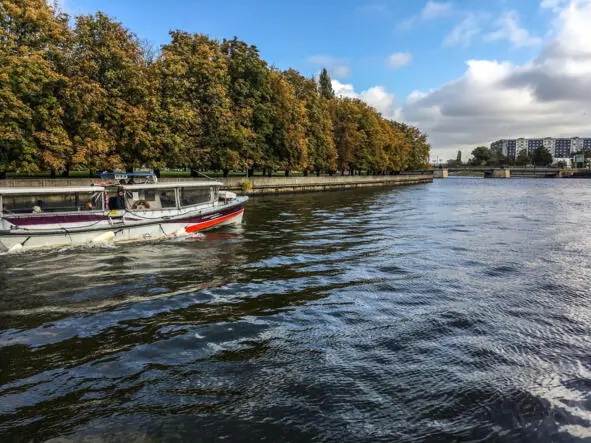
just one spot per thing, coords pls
(457, 310)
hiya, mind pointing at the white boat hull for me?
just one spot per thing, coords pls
(116, 234)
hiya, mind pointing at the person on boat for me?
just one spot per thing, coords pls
(37, 208)
(117, 201)
(5, 210)
(88, 206)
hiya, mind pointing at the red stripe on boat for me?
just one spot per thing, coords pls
(213, 222)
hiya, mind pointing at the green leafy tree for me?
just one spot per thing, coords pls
(194, 122)
(322, 155)
(481, 155)
(250, 95)
(325, 85)
(542, 157)
(523, 158)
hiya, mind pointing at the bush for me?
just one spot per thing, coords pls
(245, 186)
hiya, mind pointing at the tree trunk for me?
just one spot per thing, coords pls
(250, 172)
(287, 172)
(305, 173)
(66, 172)
(194, 173)
(2, 175)
(52, 173)
(157, 172)
(317, 172)
(342, 172)
(226, 172)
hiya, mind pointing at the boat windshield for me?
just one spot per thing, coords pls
(196, 196)
(150, 199)
(52, 203)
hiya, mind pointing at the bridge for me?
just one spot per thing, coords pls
(490, 172)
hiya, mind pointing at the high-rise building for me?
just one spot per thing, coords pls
(560, 148)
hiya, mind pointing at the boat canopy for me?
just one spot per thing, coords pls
(50, 190)
(172, 185)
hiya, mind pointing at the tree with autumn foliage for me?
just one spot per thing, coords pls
(93, 96)
(33, 42)
(322, 154)
(287, 142)
(106, 114)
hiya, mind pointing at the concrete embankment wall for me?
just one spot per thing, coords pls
(275, 185)
(261, 185)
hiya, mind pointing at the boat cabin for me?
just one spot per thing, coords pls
(136, 197)
(163, 196)
(51, 200)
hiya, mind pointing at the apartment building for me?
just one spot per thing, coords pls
(560, 148)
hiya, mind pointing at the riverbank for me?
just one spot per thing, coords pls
(260, 185)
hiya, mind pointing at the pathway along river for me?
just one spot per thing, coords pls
(459, 309)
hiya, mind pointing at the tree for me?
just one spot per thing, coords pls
(542, 157)
(498, 159)
(481, 155)
(459, 158)
(106, 114)
(322, 155)
(194, 119)
(325, 85)
(347, 136)
(523, 158)
(250, 95)
(287, 142)
(33, 40)
(93, 95)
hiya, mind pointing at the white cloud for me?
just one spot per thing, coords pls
(463, 33)
(344, 89)
(554, 5)
(398, 59)
(510, 30)
(435, 9)
(376, 96)
(548, 96)
(430, 11)
(336, 67)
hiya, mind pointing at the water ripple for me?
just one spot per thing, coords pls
(426, 313)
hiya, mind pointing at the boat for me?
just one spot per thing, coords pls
(121, 208)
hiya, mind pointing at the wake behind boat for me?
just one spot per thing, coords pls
(118, 210)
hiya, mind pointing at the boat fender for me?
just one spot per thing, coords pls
(182, 232)
(141, 204)
(104, 237)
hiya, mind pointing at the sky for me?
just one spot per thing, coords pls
(466, 72)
